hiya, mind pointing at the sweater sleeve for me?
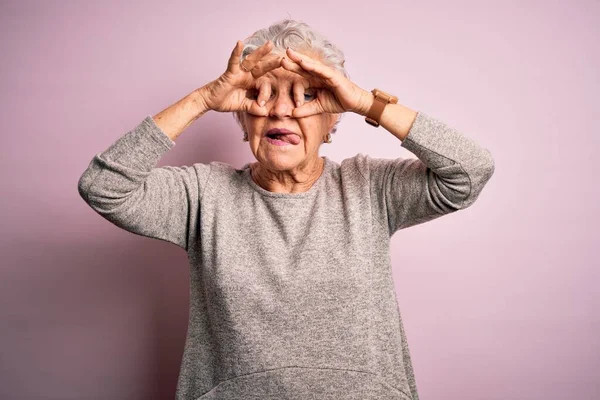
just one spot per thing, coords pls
(449, 174)
(123, 185)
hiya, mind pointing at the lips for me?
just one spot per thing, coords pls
(283, 135)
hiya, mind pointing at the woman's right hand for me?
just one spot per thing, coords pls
(230, 92)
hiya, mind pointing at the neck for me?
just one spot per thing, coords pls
(297, 180)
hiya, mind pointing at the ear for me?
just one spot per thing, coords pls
(334, 118)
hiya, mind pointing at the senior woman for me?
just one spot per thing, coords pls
(291, 294)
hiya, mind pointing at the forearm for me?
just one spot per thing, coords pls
(174, 119)
(396, 118)
(125, 186)
(453, 167)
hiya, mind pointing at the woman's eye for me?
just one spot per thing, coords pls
(272, 95)
(309, 95)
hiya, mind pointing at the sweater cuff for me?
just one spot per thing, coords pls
(156, 133)
(141, 148)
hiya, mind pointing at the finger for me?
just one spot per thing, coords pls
(313, 66)
(265, 65)
(289, 65)
(309, 108)
(262, 50)
(233, 65)
(251, 107)
(264, 93)
(298, 89)
(253, 58)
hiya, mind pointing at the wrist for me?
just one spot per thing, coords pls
(200, 100)
(365, 103)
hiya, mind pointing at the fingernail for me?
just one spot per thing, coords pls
(262, 103)
(298, 104)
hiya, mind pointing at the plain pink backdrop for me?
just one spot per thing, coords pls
(499, 301)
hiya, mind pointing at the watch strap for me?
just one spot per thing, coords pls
(380, 101)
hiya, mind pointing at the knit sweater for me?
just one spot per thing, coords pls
(291, 294)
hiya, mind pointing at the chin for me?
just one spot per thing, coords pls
(281, 162)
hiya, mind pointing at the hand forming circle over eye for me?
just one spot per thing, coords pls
(335, 92)
(229, 92)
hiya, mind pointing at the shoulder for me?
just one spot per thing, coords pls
(217, 167)
(220, 173)
(365, 165)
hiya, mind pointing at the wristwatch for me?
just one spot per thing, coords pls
(381, 100)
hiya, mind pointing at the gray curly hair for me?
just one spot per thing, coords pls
(300, 37)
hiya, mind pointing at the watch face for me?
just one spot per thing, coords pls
(382, 96)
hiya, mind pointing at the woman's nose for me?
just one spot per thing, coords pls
(283, 105)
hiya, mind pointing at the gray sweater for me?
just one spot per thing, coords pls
(291, 294)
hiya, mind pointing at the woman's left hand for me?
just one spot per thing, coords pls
(335, 93)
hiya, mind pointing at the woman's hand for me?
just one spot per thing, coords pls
(335, 93)
(230, 92)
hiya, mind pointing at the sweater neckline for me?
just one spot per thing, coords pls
(313, 189)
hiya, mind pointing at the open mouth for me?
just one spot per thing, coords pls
(279, 138)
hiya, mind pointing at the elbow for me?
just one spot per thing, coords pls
(485, 170)
(462, 183)
(478, 178)
(95, 191)
(83, 186)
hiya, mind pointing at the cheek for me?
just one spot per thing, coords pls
(254, 125)
(315, 127)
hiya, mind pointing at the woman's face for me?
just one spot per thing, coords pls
(310, 130)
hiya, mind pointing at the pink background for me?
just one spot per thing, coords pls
(499, 301)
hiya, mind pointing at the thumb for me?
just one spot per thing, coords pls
(234, 58)
(252, 107)
(307, 109)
